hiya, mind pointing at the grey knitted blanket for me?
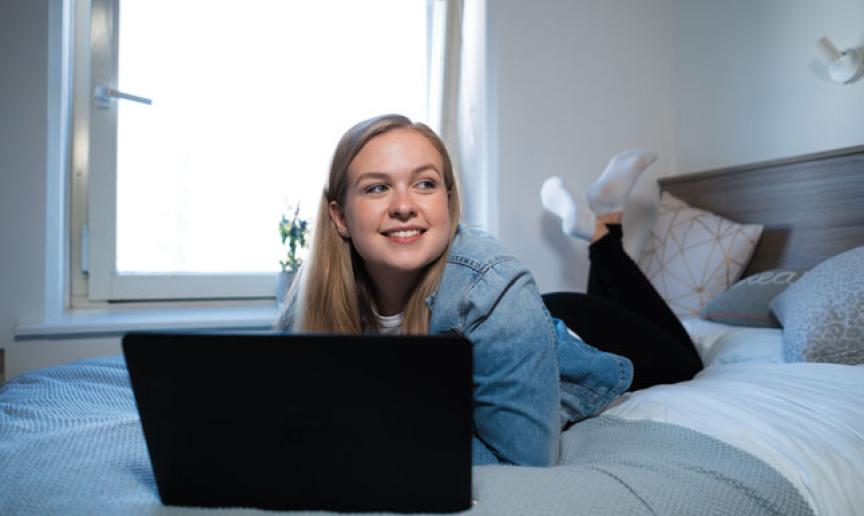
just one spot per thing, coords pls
(71, 443)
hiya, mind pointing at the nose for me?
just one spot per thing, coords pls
(403, 206)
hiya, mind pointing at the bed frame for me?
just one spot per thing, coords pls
(812, 206)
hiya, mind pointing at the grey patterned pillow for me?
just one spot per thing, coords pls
(823, 312)
(746, 303)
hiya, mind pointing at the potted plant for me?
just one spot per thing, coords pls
(294, 232)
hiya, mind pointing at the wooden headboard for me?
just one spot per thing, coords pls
(812, 206)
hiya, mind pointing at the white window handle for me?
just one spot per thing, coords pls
(104, 94)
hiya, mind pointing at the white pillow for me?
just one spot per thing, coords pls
(693, 255)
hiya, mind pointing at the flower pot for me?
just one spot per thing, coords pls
(282, 284)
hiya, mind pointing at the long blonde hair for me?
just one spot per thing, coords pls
(333, 292)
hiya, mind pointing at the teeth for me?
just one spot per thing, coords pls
(405, 234)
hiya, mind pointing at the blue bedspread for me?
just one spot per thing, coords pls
(71, 443)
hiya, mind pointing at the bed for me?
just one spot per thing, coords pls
(750, 434)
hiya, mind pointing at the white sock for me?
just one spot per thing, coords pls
(576, 219)
(610, 191)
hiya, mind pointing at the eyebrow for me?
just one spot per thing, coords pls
(382, 175)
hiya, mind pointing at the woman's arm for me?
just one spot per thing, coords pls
(516, 378)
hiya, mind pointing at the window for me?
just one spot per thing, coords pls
(197, 123)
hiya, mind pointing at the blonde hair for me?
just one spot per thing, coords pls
(333, 292)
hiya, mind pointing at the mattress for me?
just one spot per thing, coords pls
(803, 419)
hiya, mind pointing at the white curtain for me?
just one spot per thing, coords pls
(465, 110)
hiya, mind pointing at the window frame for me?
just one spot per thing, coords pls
(93, 185)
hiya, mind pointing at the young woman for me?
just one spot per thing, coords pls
(389, 256)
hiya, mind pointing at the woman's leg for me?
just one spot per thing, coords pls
(622, 312)
(657, 357)
(595, 280)
(605, 201)
(623, 283)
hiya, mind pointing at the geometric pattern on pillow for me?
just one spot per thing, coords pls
(693, 255)
(823, 312)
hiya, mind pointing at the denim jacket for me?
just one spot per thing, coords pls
(531, 375)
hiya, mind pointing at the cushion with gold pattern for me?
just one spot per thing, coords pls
(693, 255)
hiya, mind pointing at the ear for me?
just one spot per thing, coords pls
(337, 215)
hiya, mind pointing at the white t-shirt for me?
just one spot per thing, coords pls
(388, 324)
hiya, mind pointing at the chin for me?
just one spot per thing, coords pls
(412, 267)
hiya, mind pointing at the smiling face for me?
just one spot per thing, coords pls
(396, 206)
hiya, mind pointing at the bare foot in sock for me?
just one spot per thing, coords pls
(610, 191)
(576, 219)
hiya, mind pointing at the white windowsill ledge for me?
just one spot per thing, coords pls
(80, 324)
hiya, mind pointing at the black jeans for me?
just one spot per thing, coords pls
(623, 314)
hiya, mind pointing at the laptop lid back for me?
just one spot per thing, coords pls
(293, 422)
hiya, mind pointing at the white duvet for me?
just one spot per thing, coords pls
(804, 419)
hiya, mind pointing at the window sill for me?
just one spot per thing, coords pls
(114, 322)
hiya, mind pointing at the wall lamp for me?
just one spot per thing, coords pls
(843, 67)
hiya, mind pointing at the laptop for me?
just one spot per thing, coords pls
(306, 422)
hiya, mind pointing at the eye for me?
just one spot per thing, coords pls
(427, 184)
(376, 188)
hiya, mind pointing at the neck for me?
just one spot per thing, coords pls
(392, 290)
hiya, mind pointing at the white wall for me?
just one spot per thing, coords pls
(705, 83)
(749, 86)
(23, 140)
(576, 83)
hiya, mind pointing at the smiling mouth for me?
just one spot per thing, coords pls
(404, 235)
